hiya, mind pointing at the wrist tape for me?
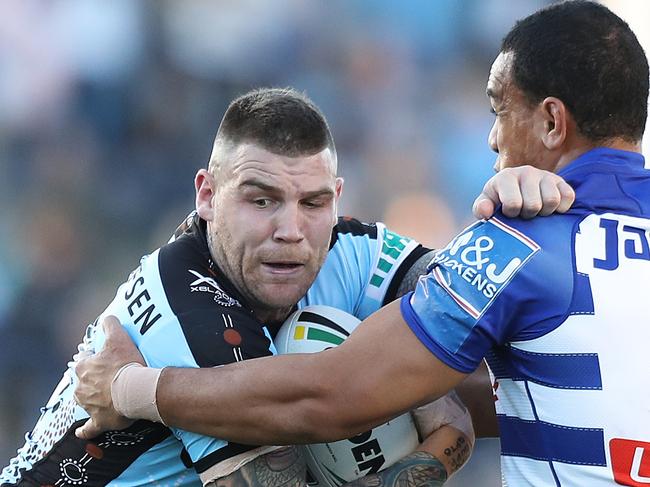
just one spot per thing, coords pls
(133, 391)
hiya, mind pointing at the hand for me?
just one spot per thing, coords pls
(524, 192)
(96, 373)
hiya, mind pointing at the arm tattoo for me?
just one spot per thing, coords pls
(280, 468)
(459, 453)
(419, 469)
(413, 274)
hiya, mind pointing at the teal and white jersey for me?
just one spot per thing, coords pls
(364, 268)
(181, 310)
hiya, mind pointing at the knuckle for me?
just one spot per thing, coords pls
(532, 206)
(552, 200)
(511, 203)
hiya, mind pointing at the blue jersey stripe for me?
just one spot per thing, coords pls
(582, 302)
(551, 442)
(558, 370)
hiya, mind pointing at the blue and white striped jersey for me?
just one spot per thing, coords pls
(181, 310)
(559, 307)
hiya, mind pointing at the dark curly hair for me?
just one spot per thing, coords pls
(585, 55)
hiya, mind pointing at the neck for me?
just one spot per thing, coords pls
(271, 316)
(584, 145)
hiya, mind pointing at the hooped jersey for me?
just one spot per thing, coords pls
(182, 311)
(560, 308)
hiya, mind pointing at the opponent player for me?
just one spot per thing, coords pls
(558, 305)
(261, 233)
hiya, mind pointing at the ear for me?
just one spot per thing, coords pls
(338, 189)
(204, 186)
(555, 119)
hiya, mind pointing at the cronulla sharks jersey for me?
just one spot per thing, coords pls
(182, 311)
(560, 308)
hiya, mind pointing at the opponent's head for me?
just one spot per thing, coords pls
(269, 197)
(568, 78)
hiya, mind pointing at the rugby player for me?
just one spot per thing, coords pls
(264, 237)
(558, 305)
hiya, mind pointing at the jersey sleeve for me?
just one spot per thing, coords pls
(475, 287)
(364, 268)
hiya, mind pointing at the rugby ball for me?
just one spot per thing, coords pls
(317, 328)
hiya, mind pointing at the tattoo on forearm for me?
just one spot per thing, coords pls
(281, 468)
(459, 453)
(414, 470)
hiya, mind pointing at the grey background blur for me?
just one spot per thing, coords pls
(108, 108)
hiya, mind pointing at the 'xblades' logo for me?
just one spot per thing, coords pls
(209, 285)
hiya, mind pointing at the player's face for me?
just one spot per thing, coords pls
(272, 222)
(517, 124)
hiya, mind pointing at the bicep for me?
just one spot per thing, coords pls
(384, 370)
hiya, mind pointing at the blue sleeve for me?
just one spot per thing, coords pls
(467, 302)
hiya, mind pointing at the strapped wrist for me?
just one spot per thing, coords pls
(133, 391)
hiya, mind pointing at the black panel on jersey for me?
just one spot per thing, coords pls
(412, 258)
(94, 463)
(220, 455)
(217, 325)
(346, 224)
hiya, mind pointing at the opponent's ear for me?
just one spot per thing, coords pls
(204, 186)
(554, 115)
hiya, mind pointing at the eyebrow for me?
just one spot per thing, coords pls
(256, 183)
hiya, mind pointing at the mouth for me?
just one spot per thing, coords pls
(283, 267)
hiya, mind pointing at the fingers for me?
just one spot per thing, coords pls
(567, 197)
(118, 347)
(88, 430)
(113, 329)
(483, 207)
(530, 183)
(524, 192)
(506, 191)
(550, 195)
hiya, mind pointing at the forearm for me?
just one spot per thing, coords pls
(255, 404)
(417, 469)
(309, 398)
(477, 394)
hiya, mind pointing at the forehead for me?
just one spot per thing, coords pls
(500, 78)
(251, 162)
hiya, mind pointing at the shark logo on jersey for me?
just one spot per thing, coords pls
(209, 285)
(479, 262)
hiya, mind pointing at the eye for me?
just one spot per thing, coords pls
(312, 204)
(262, 203)
(493, 111)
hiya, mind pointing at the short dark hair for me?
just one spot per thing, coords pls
(588, 57)
(281, 120)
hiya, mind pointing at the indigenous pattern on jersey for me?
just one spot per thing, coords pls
(559, 306)
(182, 311)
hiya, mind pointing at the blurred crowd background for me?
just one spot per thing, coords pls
(108, 108)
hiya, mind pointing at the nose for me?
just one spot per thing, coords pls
(289, 224)
(492, 138)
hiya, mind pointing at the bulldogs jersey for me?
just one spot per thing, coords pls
(181, 310)
(559, 306)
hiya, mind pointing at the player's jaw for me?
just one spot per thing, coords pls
(280, 280)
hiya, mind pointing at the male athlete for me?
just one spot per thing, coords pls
(558, 305)
(260, 241)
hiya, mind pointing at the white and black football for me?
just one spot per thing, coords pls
(317, 328)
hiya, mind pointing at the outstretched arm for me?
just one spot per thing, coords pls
(298, 398)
